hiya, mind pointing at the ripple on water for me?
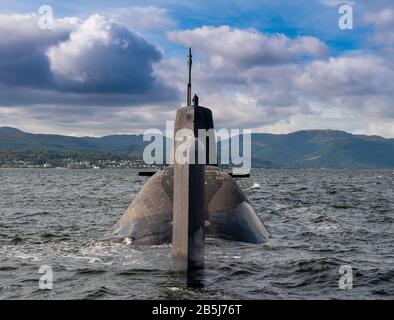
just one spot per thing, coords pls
(319, 220)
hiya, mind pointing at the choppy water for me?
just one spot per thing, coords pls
(319, 220)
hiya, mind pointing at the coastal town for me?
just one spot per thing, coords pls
(70, 163)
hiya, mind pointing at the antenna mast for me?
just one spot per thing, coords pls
(189, 85)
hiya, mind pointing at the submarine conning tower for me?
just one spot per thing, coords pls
(189, 212)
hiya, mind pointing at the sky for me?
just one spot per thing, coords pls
(117, 67)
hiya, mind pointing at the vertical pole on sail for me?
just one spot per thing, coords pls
(189, 84)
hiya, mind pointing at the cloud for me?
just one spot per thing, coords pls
(350, 76)
(22, 49)
(64, 80)
(232, 48)
(90, 121)
(382, 18)
(383, 22)
(142, 18)
(243, 72)
(21, 34)
(78, 60)
(261, 81)
(101, 56)
(358, 89)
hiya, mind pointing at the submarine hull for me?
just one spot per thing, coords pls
(228, 213)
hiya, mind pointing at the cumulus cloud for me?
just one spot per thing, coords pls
(101, 56)
(275, 83)
(243, 72)
(353, 75)
(22, 49)
(237, 48)
(355, 91)
(20, 34)
(250, 79)
(94, 56)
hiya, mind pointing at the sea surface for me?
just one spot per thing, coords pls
(320, 220)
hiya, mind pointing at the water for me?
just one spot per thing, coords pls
(319, 220)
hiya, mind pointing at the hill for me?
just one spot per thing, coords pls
(301, 149)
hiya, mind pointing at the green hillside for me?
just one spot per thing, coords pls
(301, 149)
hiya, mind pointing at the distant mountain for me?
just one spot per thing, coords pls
(323, 149)
(301, 149)
(15, 139)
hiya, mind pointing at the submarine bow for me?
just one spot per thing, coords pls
(229, 214)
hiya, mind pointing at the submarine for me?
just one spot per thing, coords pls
(186, 202)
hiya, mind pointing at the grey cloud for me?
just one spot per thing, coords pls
(22, 49)
(85, 121)
(361, 86)
(249, 79)
(21, 35)
(20, 96)
(354, 75)
(383, 22)
(101, 56)
(246, 76)
(85, 62)
(293, 95)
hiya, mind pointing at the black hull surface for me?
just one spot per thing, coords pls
(229, 215)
